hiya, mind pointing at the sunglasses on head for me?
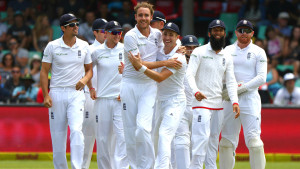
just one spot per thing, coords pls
(115, 32)
(72, 24)
(244, 30)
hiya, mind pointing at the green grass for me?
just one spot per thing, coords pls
(28, 164)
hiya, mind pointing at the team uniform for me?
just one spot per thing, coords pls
(138, 93)
(205, 72)
(89, 118)
(250, 67)
(67, 66)
(170, 107)
(110, 153)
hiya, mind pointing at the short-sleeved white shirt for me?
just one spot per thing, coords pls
(107, 61)
(173, 85)
(284, 98)
(148, 47)
(67, 63)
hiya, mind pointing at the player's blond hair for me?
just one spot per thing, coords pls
(144, 5)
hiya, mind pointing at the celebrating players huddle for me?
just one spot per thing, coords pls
(150, 102)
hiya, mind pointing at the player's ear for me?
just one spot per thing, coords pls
(208, 33)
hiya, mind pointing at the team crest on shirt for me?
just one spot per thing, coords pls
(248, 56)
(79, 53)
(223, 62)
(120, 56)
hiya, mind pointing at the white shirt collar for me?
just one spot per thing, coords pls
(140, 35)
(210, 49)
(62, 43)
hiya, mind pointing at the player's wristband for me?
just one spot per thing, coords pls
(235, 103)
(143, 69)
(92, 89)
(196, 93)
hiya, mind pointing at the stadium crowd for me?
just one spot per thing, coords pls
(26, 27)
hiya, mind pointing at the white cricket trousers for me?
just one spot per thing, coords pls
(137, 104)
(250, 119)
(111, 154)
(67, 109)
(168, 115)
(88, 130)
(206, 123)
(182, 140)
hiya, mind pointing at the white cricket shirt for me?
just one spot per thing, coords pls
(148, 47)
(250, 65)
(205, 72)
(173, 85)
(107, 61)
(67, 63)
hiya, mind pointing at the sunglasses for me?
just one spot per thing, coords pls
(115, 32)
(244, 30)
(72, 24)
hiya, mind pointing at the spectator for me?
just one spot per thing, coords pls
(42, 33)
(23, 6)
(26, 92)
(126, 27)
(85, 31)
(252, 10)
(104, 13)
(127, 14)
(20, 54)
(76, 7)
(260, 43)
(3, 30)
(40, 96)
(20, 31)
(291, 50)
(289, 94)
(4, 94)
(272, 79)
(14, 81)
(35, 68)
(282, 28)
(7, 65)
(274, 45)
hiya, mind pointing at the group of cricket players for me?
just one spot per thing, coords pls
(154, 101)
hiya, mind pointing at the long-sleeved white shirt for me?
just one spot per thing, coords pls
(205, 72)
(250, 65)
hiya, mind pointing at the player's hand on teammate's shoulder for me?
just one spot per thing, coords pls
(200, 96)
(47, 101)
(181, 49)
(236, 110)
(174, 63)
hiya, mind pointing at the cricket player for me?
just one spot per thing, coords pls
(208, 65)
(250, 70)
(158, 21)
(182, 139)
(138, 92)
(170, 95)
(67, 57)
(89, 119)
(108, 105)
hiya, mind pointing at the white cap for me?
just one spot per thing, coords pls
(284, 15)
(289, 76)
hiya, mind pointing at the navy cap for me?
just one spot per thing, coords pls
(66, 18)
(113, 26)
(245, 23)
(216, 23)
(189, 40)
(172, 26)
(99, 24)
(158, 16)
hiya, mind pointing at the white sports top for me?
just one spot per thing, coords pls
(173, 85)
(148, 47)
(205, 72)
(67, 63)
(107, 61)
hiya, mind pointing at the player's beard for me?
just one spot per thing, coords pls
(217, 44)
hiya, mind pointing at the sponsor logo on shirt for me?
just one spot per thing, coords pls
(207, 57)
(100, 57)
(233, 55)
(141, 44)
(193, 55)
(60, 54)
(262, 61)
